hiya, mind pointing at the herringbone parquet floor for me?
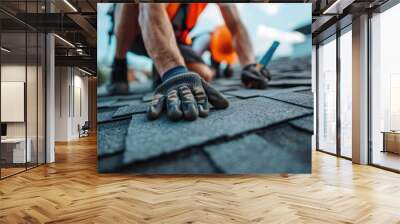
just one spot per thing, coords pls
(71, 191)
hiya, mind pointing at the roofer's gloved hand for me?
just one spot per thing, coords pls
(184, 95)
(255, 76)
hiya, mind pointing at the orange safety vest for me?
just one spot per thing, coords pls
(183, 18)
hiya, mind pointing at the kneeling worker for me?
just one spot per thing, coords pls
(161, 31)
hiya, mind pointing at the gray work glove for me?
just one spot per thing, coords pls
(256, 78)
(185, 96)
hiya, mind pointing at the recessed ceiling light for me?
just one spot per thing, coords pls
(64, 40)
(338, 6)
(70, 5)
(5, 50)
(84, 71)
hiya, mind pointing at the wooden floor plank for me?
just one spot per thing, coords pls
(71, 191)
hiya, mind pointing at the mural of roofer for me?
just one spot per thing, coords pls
(237, 77)
(161, 32)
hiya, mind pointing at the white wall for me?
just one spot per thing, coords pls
(62, 81)
(70, 83)
(13, 101)
(33, 126)
(12, 73)
(80, 118)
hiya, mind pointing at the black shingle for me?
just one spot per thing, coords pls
(263, 131)
(131, 109)
(105, 104)
(147, 97)
(193, 161)
(130, 97)
(147, 139)
(109, 163)
(304, 123)
(250, 93)
(103, 116)
(254, 154)
(292, 75)
(290, 82)
(111, 137)
(225, 88)
(115, 102)
(134, 88)
(294, 141)
(228, 82)
(247, 93)
(307, 92)
(294, 98)
(285, 65)
(125, 102)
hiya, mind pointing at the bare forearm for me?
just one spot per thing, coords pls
(241, 39)
(158, 37)
(127, 29)
(243, 46)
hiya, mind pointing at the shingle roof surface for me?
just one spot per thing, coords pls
(263, 131)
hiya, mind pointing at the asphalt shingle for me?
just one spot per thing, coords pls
(304, 123)
(250, 93)
(228, 82)
(225, 88)
(117, 101)
(294, 141)
(290, 82)
(247, 93)
(292, 75)
(294, 98)
(193, 161)
(111, 137)
(147, 139)
(307, 92)
(125, 102)
(147, 97)
(263, 131)
(254, 154)
(131, 109)
(290, 65)
(110, 163)
(103, 116)
(105, 104)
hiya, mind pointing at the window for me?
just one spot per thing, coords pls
(385, 89)
(346, 93)
(22, 77)
(327, 96)
(13, 148)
